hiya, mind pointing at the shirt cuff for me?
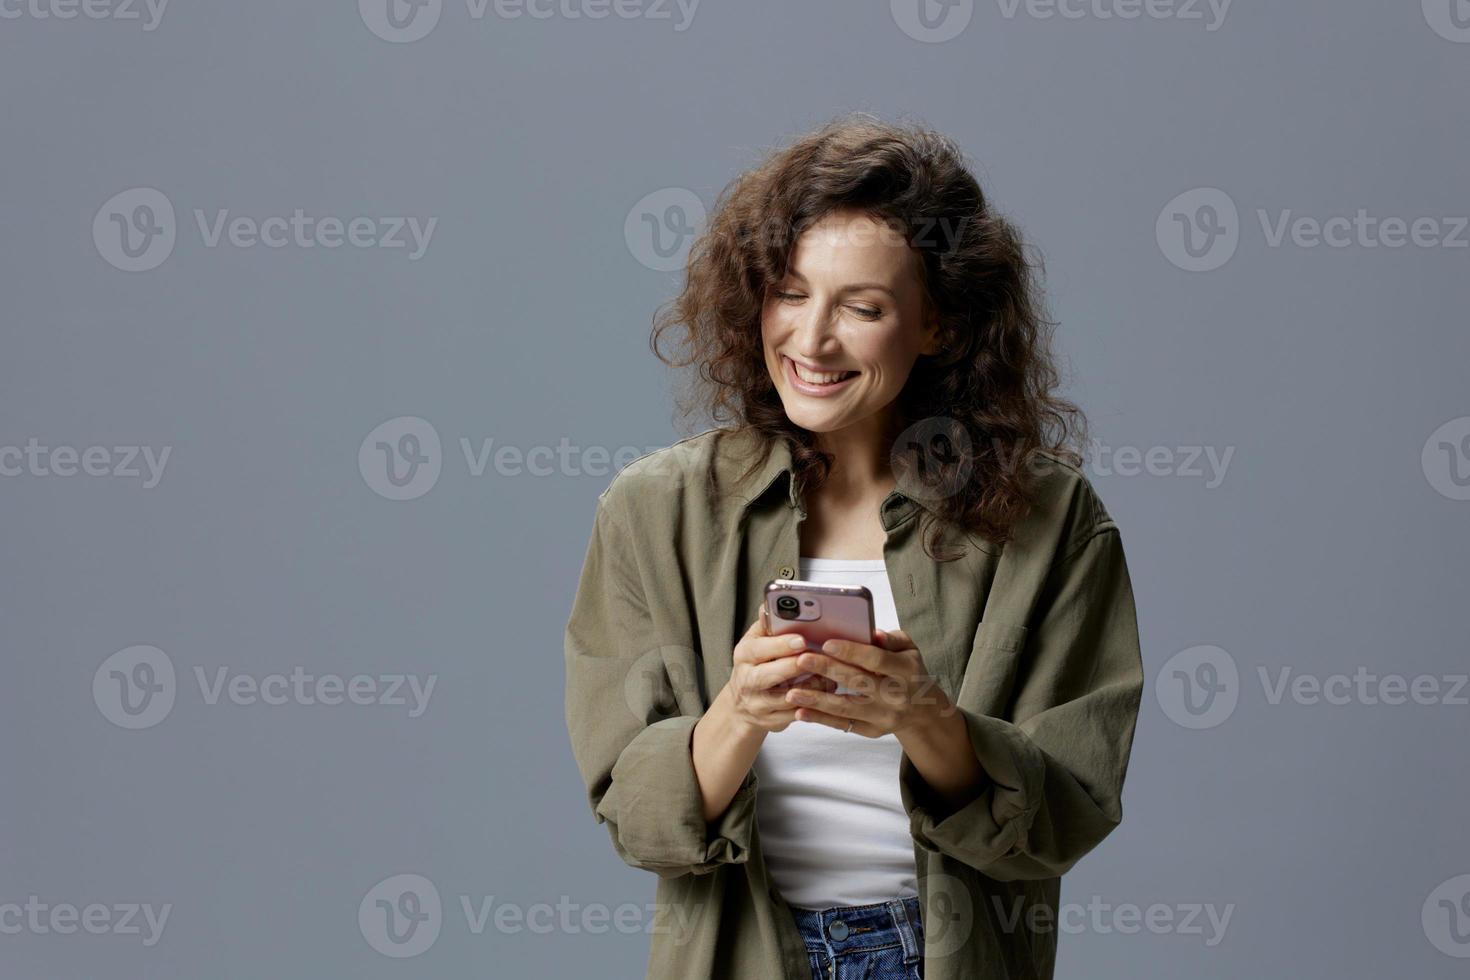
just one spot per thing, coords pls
(657, 811)
(992, 825)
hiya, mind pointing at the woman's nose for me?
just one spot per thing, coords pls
(814, 328)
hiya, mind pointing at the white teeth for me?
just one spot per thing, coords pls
(819, 378)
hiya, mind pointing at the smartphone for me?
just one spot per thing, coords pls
(819, 611)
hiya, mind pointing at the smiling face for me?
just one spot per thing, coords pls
(843, 329)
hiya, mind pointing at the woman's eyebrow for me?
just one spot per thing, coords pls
(850, 287)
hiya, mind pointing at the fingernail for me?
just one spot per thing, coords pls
(796, 643)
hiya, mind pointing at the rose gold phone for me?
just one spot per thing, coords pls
(819, 611)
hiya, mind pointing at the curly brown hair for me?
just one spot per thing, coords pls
(993, 380)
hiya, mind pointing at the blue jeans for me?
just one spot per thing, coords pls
(864, 942)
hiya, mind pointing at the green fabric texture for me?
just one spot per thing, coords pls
(1035, 641)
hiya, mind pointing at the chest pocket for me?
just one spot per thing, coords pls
(996, 657)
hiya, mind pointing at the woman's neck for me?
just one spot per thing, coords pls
(861, 469)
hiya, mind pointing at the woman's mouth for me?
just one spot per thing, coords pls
(813, 382)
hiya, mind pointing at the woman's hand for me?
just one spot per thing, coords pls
(765, 671)
(893, 692)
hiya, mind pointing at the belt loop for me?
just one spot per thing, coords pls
(899, 911)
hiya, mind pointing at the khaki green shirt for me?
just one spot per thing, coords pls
(1036, 642)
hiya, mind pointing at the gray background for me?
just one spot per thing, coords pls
(1327, 547)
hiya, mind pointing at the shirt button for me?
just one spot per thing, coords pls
(837, 930)
(785, 571)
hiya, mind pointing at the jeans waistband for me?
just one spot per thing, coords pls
(847, 928)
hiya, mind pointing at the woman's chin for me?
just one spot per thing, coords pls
(816, 418)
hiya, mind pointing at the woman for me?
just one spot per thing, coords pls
(872, 329)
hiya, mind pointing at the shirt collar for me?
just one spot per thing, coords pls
(779, 465)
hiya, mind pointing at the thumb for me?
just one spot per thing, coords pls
(896, 640)
(760, 626)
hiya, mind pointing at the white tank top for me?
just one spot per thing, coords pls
(832, 825)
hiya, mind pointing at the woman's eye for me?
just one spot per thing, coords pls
(867, 313)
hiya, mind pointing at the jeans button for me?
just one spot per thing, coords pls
(837, 930)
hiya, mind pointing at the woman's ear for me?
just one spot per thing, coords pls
(933, 336)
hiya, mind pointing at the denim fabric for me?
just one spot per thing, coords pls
(864, 942)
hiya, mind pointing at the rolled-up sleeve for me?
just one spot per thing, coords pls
(1053, 773)
(632, 701)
